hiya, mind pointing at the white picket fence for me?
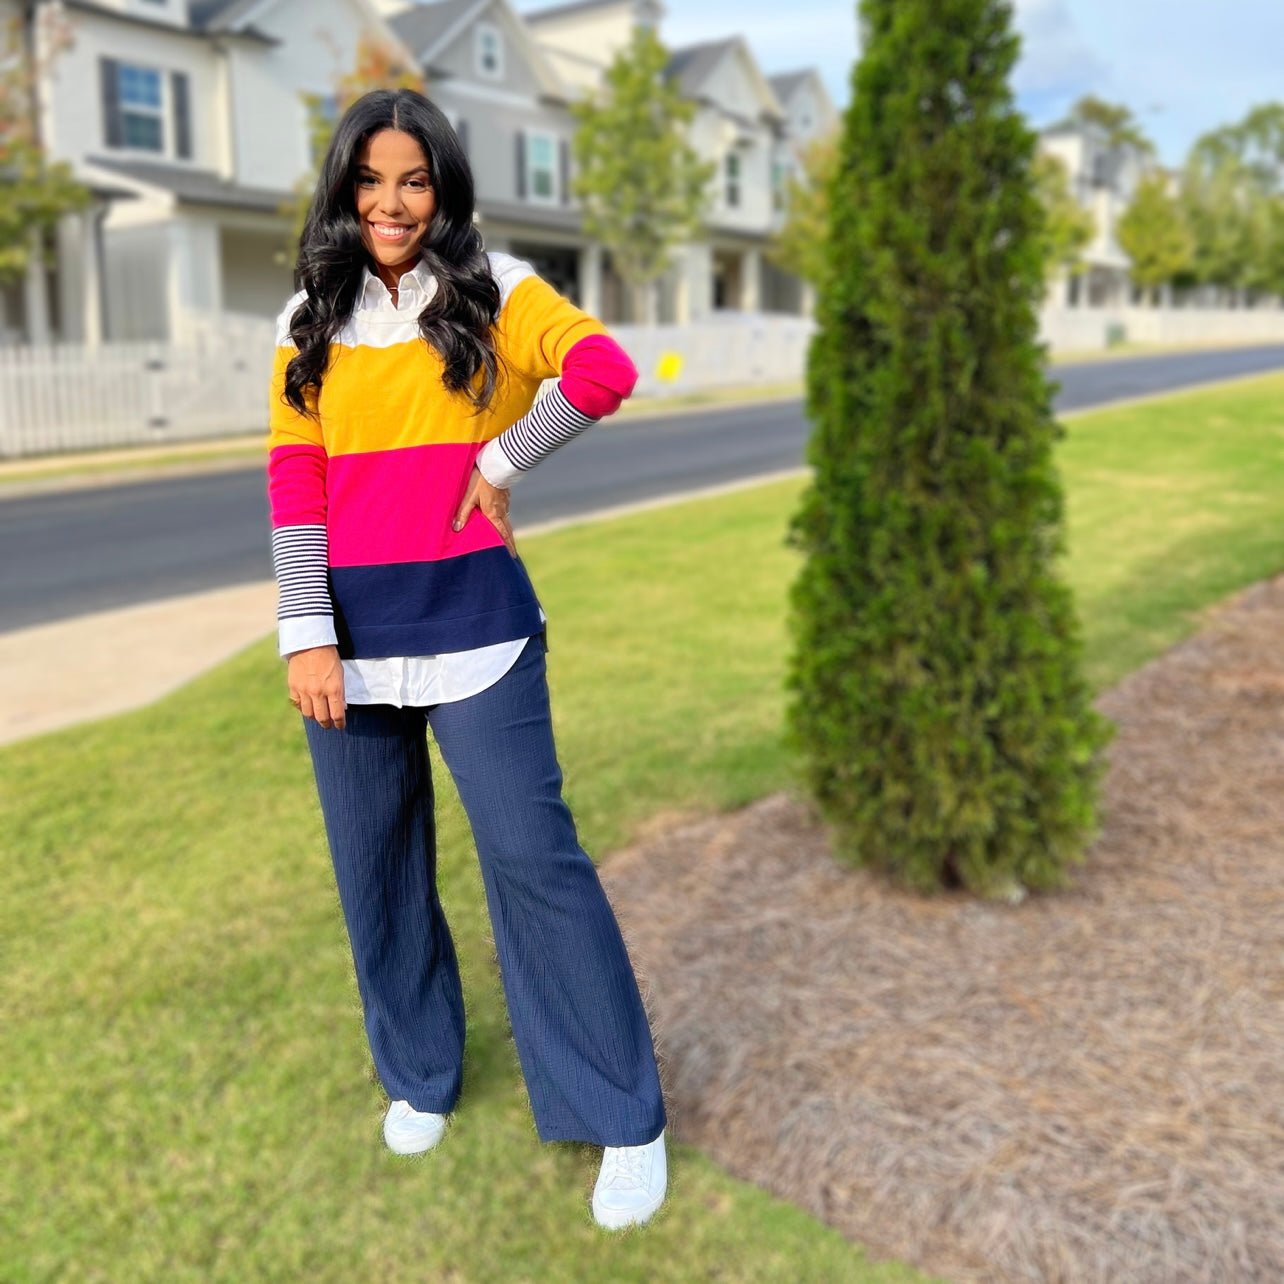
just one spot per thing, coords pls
(66, 397)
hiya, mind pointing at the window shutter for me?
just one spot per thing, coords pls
(564, 169)
(461, 131)
(182, 114)
(109, 78)
(521, 165)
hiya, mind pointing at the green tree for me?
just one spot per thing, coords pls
(800, 244)
(1233, 199)
(373, 68)
(937, 696)
(643, 187)
(1154, 234)
(1068, 228)
(1116, 120)
(34, 191)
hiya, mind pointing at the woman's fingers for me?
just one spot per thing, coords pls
(497, 513)
(316, 686)
(469, 501)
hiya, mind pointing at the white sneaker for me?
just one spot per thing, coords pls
(631, 1184)
(409, 1131)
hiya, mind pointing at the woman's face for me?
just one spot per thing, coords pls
(395, 200)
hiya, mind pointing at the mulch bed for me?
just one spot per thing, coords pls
(1087, 1086)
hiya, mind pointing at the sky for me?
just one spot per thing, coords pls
(1183, 66)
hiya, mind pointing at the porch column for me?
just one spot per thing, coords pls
(195, 275)
(80, 277)
(681, 288)
(35, 291)
(698, 270)
(751, 281)
(91, 228)
(590, 269)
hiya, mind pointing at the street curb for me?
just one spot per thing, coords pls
(243, 455)
(1190, 390)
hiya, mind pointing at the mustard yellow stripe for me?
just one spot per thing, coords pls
(286, 427)
(392, 397)
(538, 327)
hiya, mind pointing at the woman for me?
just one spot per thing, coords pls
(402, 410)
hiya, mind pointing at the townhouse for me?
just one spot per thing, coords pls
(1103, 175)
(186, 119)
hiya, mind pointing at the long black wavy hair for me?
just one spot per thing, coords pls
(332, 256)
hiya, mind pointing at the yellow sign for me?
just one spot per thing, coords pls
(669, 367)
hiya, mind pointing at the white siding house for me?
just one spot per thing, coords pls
(187, 121)
(187, 117)
(1103, 178)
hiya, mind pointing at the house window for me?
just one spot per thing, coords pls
(733, 180)
(142, 109)
(779, 184)
(541, 167)
(489, 51)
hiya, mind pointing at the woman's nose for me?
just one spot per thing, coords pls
(390, 200)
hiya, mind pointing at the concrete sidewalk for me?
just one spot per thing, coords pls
(78, 670)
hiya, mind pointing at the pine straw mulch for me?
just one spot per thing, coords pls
(1088, 1086)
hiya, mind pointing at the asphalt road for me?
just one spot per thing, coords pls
(68, 553)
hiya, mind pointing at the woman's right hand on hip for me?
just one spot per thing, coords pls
(315, 677)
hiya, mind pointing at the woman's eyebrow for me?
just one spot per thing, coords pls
(374, 173)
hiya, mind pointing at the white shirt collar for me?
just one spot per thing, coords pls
(415, 289)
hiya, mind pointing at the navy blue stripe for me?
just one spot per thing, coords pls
(433, 608)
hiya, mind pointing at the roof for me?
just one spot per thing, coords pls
(199, 29)
(422, 25)
(786, 82)
(565, 218)
(194, 186)
(218, 15)
(572, 6)
(691, 65)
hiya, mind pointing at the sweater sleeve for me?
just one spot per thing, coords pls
(547, 336)
(297, 464)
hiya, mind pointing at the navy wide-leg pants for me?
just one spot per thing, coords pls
(577, 1017)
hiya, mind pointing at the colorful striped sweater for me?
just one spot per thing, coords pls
(363, 496)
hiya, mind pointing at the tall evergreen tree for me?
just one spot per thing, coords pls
(947, 731)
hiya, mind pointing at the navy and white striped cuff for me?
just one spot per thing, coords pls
(551, 422)
(300, 558)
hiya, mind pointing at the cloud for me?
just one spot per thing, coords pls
(1056, 60)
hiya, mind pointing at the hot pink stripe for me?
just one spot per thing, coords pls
(597, 375)
(398, 505)
(296, 485)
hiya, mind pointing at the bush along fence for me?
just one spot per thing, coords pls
(68, 397)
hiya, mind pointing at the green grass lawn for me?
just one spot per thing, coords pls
(186, 1090)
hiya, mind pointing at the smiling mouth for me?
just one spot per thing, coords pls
(390, 231)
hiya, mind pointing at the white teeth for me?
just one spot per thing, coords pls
(389, 230)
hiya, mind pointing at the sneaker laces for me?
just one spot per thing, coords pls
(626, 1168)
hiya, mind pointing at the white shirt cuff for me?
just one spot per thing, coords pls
(495, 466)
(300, 632)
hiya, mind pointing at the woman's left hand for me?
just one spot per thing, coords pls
(493, 502)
